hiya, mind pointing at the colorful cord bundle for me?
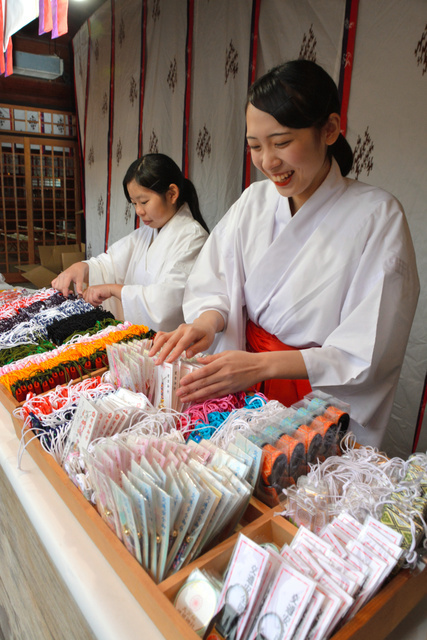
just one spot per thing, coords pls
(60, 330)
(61, 398)
(41, 323)
(13, 354)
(10, 295)
(100, 325)
(6, 324)
(70, 361)
(49, 416)
(26, 314)
(47, 303)
(207, 418)
(35, 329)
(19, 302)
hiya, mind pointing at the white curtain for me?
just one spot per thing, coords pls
(387, 125)
(289, 29)
(81, 52)
(128, 28)
(96, 144)
(221, 46)
(165, 78)
(17, 14)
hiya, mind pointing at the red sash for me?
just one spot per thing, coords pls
(285, 391)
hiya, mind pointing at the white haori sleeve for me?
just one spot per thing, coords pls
(218, 278)
(154, 297)
(360, 360)
(113, 266)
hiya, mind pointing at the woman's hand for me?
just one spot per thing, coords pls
(191, 338)
(98, 293)
(232, 371)
(222, 374)
(77, 273)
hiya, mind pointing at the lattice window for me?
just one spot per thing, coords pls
(46, 122)
(39, 187)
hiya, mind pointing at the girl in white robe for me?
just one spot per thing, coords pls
(141, 278)
(319, 263)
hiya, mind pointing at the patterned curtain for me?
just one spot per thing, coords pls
(128, 45)
(219, 85)
(191, 61)
(165, 78)
(81, 76)
(292, 29)
(96, 143)
(387, 128)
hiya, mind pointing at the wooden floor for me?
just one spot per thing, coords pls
(35, 604)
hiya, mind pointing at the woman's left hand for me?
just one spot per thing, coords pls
(222, 374)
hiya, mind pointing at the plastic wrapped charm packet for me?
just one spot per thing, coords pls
(244, 581)
(197, 599)
(287, 598)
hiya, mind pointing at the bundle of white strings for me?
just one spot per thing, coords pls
(361, 482)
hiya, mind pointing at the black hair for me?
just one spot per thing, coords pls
(157, 172)
(300, 94)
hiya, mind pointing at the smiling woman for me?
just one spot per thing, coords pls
(310, 280)
(296, 160)
(141, 277)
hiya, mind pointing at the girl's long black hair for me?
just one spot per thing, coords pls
(157, 172)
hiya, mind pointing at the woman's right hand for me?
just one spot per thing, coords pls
(192, 338)
(77, 273)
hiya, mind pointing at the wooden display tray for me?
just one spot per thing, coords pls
(260, 523)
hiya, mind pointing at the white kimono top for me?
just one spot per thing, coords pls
(338, 280)
(154, 266)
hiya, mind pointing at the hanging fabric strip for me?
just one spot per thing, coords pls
(79, 140)
(420, 417)
(252, 75)
(142, 85)
(2, 62)
(59, 17)
(142, 80)
(45, 16)
(347, 58)
(187, 100)
(87, 91)
(110, 124)
(126, 108)
(9, 59)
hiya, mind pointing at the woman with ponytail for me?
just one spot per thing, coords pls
(310, 280)
(142, 276)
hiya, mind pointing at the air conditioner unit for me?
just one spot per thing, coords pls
(37, 66)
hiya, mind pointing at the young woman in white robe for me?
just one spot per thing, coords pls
(313, 270)
(141, 278)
